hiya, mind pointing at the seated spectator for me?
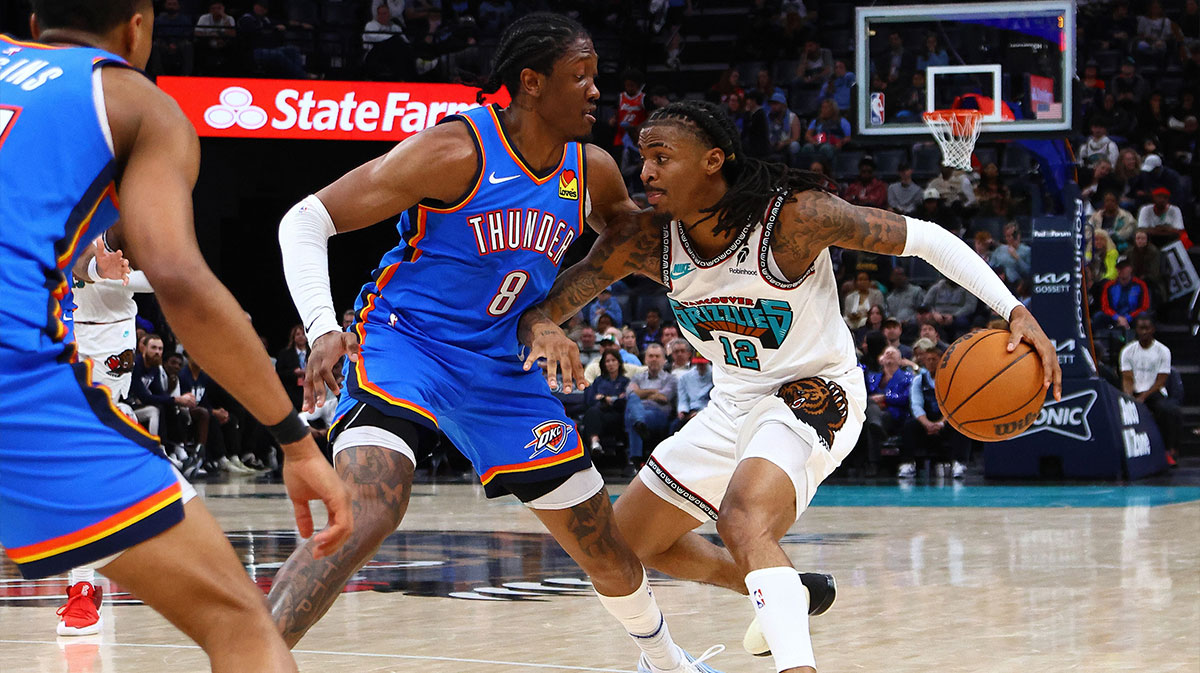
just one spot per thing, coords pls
(1161, 220)
(173, 41)
(629, 346)
(670, 332)
(933, 54)
(290, 363)
(1127, 85)
(1154, 176)
(588, 348)
(380, 28)
(1155, 31)
(840, 86)
(609, 342)
(1103, 265)
(896, 61)
(1146, 262)
(651, 332)
(681, 354)
(694, 387)
(935, 334)
(783, 130)
(867, 190)
(934, 209)
(192, 418)
(815, 69)
(1103, 181)
(1098, 145)
(1014, 257)
(1152, 120)
(954, 189)
(1112, 218)
(604, 325)
(389, 54)
(902, 301)
(756, 130)
(951, 306)
(1181, 145)
(874, 323)
(826, 133)
(1145, 368)
(984, 245)
(605, 304)
(1122, 299)
(217, 29)
(892, 330)
(605, 401)
(909, 100)
(904, 196)
(649, 405)
(927, 433)
(265, 38)
(888, 392)
(858, 302)
(993, 196)
(869, 350)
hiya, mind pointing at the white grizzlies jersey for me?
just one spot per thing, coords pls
(104, 301)
(759, 330)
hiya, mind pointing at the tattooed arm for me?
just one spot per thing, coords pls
(817, 220)
(629, 242)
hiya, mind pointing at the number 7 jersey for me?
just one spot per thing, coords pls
(759, 330)
(465, 271)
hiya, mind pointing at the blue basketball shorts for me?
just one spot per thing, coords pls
(79, 481)
(503, 418)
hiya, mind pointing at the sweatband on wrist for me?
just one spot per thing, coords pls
(290, 430)
(958, 262)
(304, 241)
(93, 271)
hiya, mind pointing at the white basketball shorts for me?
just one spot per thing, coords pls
(110, 347)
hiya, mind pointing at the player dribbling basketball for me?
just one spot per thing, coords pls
(788, 399)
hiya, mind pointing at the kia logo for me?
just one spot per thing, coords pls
(236, 107)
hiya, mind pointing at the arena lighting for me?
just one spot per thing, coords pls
(318, 110)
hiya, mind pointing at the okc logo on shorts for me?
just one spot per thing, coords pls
(568, 185)
(549, 436)
(236, 108)
(758, 599)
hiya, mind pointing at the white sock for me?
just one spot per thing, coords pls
(82, 574)
(639, 614)
(781, 602)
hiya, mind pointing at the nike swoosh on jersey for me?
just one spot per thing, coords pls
(495, 180)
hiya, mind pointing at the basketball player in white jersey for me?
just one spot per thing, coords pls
(744, 252)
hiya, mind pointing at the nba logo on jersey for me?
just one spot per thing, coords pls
(549, 436)
(568, 185)
(758, 599)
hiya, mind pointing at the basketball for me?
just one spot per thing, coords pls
(987, 393)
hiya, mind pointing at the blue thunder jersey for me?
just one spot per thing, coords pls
(57, 191)
(465, 271)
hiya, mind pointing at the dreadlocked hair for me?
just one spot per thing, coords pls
(753, 183)
(534, 41)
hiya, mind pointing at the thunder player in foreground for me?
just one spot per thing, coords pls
(490, 200)
(788, 397)
(80, 128)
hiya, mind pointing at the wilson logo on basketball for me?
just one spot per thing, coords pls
(1014, 427)
(550, 436)
(568, 185)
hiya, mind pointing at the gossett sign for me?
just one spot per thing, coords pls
(316, 109)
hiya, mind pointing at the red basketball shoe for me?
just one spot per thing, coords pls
(81, 615)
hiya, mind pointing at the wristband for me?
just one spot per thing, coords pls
(93, 271)
(290, 430)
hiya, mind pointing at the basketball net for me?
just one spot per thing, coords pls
(956, 132)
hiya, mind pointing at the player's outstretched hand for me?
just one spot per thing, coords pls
(308, 476)
(1024, 326)
(324, 356)
(560, 352)
(111, 265)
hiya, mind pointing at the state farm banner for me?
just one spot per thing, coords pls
(222, 107)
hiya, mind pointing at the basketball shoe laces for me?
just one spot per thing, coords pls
(708, 654)
(81, 607)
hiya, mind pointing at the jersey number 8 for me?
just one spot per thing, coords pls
(506, 296)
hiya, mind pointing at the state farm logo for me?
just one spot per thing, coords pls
(236, 107)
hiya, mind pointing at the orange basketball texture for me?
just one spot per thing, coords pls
(987, 393)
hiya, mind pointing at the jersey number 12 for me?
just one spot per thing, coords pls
(741, 353)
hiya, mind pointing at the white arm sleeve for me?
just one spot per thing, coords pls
(304, 241)
(958, 262)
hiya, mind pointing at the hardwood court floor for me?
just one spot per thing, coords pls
(936, 578)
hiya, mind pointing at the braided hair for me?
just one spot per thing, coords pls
(534, 41)
(753, 183)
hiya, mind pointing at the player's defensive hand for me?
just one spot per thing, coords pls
(111, 265)
(1025, 327)
(326, 351)
(560, 352)
(308, 476)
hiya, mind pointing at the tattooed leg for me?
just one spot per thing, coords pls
(380, 482)
(588, 533)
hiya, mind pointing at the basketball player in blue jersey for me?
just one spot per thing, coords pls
(788, 397)
(489, 201)
(80, 128)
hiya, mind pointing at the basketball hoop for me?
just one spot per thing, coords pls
(956, 132)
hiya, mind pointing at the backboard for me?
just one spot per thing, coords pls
(1020, 53)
